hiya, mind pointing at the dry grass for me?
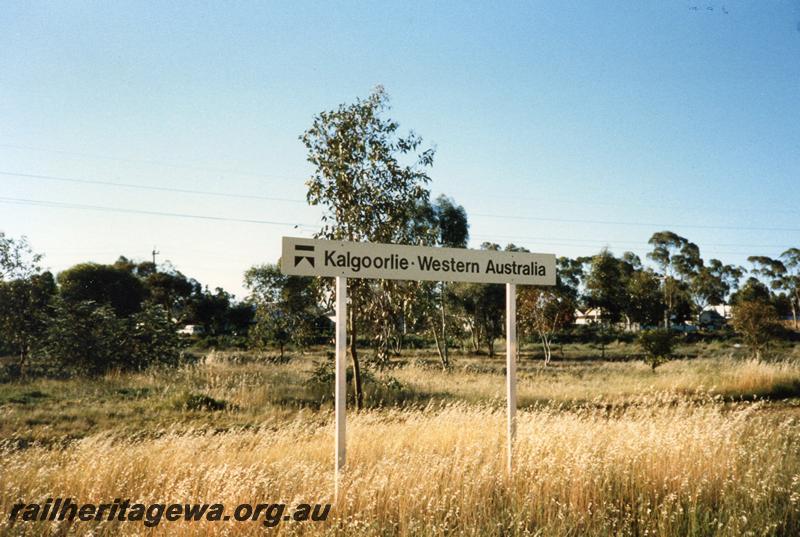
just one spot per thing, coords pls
(53, 411)
(660, 466)
(604, 448)
(586, 381)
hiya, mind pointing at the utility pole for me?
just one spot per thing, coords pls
(155, 253)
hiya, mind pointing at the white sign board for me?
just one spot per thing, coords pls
(312, 257)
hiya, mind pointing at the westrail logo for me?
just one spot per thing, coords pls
(303, 248)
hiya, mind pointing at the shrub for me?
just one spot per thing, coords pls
(757, 323)
(657, 346)
(88, 338)
(324, 373)
(273, 325)
(218, 342)
(84, 337)
(197, 402)
(415, 341)
(323, 377)
(152, 340)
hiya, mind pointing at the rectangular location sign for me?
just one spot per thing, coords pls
(312, 257)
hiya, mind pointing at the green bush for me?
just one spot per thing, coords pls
(218, 342)
(415, 341)
(657, 346)
(84, 337)
(197, 402)
(88, 338)
(323, 377)
(151, 339)
(324, 374)
(758, 324)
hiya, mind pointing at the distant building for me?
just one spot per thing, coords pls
(714, 317)
(589, 316)
(191, 330)
(724, 310)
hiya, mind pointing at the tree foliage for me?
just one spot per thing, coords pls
(369, 181)
(483, 311)
(103, 284)
(543, 311)
(676, 257)
(17, 258)
(209, 310)
(88, 338)
(605, 287)
(657, 346)
(450, 228)
(171, 290)
(643, 299)
(287, 307)
(783, 274)
(757, 322)
(24, 314)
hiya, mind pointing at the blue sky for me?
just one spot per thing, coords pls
(598, 122)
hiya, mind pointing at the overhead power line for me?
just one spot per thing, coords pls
(80, 206)
(482, 215)
(551, 240)
(295, 200)
(149, 187)
(149, 162)
(196, 167)
(297, 226)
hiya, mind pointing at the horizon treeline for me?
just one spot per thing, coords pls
(94, 317)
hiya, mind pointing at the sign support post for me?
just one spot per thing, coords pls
(511, 367)
(340, 396)
(346, 259)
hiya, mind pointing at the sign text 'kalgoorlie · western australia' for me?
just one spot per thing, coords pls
(312, 257)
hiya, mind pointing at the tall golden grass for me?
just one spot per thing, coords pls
(657, 465)
(609, 380)
(255, 386)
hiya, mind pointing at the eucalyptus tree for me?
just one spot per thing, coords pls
(445, 224)
(644, 304)
(24, 314)
(570, 276)
(169, 288)
(452, 231)
(706, 288)
(286, 307)
(24, 296)
(17, 259)
(368, 180)
(791, 280)
(544, 311)
(605, 290)
(783, 274)
(753, 290)
(710, 284)
(605, 286)
(728, 275)
(678, 259)
(482, 305)
(772, 270)
(103, 284)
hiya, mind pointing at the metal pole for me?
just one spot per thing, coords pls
(511, 366)
(340, 397)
